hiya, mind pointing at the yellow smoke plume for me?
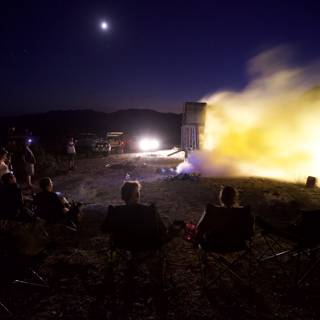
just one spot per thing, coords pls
(271, 128)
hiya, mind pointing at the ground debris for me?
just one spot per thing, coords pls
(183, 176)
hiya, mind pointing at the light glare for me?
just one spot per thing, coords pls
(149, 144)
(104, 25)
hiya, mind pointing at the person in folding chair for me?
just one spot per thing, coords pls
(137, 235)
(53, 208)
(224, 229)
(135, 226)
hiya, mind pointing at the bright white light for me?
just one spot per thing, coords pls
(148, 144)
(104, 25)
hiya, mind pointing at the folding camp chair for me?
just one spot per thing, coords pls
(17, 268)
(300, 241)
(136, 237)
(19, 271)
(226, 236)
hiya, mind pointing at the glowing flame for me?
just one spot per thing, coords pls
(272, 127)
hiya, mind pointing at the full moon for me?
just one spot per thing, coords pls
(104, 25)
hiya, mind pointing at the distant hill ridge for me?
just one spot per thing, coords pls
(72, 122)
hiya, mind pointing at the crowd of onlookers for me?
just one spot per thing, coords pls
(22, 161)
(132, 220)
(130, 223)
(19, 201)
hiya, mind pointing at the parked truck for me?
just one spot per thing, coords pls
(91, 143)
(117, 142)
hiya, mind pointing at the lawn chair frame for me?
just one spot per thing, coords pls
(242, 245)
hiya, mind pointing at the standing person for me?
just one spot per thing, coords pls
(71, 152)
(4, 168)
(29, 163)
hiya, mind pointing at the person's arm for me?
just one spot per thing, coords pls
(59, 205)
(65, 202)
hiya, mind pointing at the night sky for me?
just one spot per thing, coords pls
(155, 54)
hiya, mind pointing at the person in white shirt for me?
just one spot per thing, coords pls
(29, 164)
(71, 152)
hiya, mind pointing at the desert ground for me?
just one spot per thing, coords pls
(77, 270)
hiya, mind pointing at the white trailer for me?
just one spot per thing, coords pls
(193, 122)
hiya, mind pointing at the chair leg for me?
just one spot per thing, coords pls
(41, 279)
(307, 273)
(204, 268)
(43, 283)
(227, 267)
(276, 255)
(105, 289)
(6, 309)
(161, 298)
(230, 267)
(128, 287)
(250, 268)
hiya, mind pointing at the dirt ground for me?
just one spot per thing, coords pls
(77, 269)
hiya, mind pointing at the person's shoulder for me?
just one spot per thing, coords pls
(46, 194)
(145, 207)
(137, 209)
(116, 210)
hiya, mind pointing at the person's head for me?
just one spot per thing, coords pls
(8, 178)
(46, 184)
(228, 196)
(130, 192)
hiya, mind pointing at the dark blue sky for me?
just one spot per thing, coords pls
(156, 54)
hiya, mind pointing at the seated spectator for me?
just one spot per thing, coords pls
(11, 200)
(53, 208)
(224, 225)
(228, 197)
(134, 223)
(4, 168)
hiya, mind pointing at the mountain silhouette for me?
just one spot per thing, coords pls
(59, 124)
